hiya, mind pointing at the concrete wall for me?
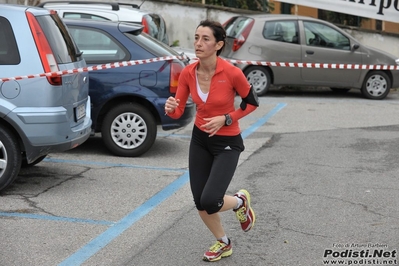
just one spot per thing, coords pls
(182, 20)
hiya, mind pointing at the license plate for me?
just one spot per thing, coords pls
(80, 112)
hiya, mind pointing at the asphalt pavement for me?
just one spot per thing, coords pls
(321, 168)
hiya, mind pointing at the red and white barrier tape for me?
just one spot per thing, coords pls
(316, 65)
(93, 68)
(166, 58)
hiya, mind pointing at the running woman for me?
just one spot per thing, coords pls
(216, 141)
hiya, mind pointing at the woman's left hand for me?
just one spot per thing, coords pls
(213, 124)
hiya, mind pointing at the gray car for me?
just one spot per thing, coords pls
(39, 114)
(299, 39)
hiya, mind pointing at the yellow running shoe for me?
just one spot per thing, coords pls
(218, 250)
(245, 214)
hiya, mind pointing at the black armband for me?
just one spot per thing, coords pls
(252, 98)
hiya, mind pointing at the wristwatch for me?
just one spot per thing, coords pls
(228, 121)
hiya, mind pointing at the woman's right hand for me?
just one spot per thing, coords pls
(171, 104)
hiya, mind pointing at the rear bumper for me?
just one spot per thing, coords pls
(48, 130)
(76, 137)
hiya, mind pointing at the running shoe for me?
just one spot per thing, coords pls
(218, 250)
(245, 214)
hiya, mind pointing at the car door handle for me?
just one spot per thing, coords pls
(309, 52)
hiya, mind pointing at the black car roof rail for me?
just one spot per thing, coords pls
(136, 6)
(130, 4)
(114, 5)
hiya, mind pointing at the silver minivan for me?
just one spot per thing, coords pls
(39, 114)
(299, 39)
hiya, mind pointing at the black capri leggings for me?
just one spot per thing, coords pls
(212, 163)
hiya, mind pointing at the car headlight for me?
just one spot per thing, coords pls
(397, 61)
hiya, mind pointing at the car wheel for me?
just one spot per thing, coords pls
(129, 130)
(259, 78)
(38, 160)
(376, 85)
(10, 158)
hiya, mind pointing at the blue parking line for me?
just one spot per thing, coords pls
(113, 232)
(262, 120)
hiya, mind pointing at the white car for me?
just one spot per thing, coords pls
(153, 23)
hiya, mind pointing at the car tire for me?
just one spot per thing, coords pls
(259, 78)
(10, 158)
(38, 160)
(129, 130)
(376, 85)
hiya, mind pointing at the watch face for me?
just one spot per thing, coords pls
(228, 120)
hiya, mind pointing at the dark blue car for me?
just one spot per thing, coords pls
(128, 102)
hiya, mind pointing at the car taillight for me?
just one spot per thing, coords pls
(240, 40)
(145, 24)
(46, 54)
(175, 70)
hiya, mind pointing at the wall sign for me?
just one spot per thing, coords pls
(387, 10)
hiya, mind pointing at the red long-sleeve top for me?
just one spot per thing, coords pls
(226, 82)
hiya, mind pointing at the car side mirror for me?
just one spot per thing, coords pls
(355, 46)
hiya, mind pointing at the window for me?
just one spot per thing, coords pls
(83, 15)
(148, 46)
(282, 31)
(378, 24)
(97, 46)
(9, 53)
(318, 34)
(285, 8)
(236, 26)
(156, 27)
